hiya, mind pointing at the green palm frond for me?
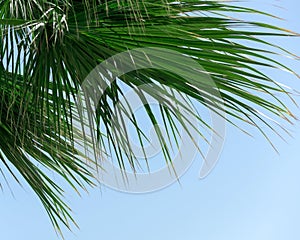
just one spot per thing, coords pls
(49, 47)
(30, 146)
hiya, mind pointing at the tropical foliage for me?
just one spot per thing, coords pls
(49, 47)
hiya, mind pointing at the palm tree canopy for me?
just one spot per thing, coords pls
(49, 47)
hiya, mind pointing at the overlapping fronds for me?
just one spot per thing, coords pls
(49, 47)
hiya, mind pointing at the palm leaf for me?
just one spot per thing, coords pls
(49, 47)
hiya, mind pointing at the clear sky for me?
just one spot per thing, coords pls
(253, 193)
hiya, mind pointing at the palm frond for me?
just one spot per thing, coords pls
(49, 47)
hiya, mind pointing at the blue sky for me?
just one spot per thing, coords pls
(253, 193)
